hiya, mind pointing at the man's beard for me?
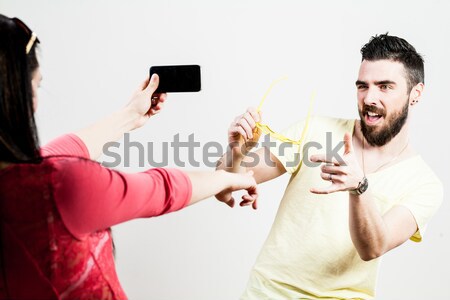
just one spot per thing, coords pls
(381, 136)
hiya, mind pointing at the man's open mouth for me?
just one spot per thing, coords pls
(372, 118)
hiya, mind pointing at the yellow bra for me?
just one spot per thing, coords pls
(267, 130)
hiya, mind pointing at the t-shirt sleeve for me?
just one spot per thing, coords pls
(68, 144)
(423, 202)
(91, 197)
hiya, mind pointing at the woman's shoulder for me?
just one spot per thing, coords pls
(50, 170)
(65, 168)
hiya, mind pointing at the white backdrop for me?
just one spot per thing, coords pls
(95, 53)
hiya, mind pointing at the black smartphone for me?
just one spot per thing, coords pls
(176, 79)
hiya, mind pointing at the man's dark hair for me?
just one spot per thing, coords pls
(384, 46)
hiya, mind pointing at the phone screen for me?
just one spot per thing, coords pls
(176, 79)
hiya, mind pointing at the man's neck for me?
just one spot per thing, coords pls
(375, 158)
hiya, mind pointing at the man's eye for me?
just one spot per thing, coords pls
(361, 87)
(384, 86)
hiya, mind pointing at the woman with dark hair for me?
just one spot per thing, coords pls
(57, 205)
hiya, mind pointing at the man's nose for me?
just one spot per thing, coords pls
(372, 97)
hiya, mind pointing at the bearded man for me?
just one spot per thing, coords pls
(341, 211)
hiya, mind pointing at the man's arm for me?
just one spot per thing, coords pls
(243, 135)
(372, 234)
(262, 162)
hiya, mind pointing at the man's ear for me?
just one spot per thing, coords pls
(416, 93)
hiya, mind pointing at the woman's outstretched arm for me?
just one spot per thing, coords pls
(134, 115)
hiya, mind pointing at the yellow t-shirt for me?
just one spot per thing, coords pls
(309, 253)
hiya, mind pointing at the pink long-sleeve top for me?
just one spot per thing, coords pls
(56, 218)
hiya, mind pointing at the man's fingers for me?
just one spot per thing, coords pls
(247, 122)
(247, 128)
(255, 114)
(324, 159)
(328, 190)
(318, 158)
(334, 178)
(333, 169)
(250, 120)
(241, 132)
(326, 176)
